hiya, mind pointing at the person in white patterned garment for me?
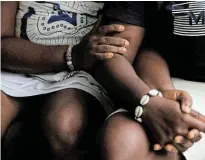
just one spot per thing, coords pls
(37, 38)
(66, 103)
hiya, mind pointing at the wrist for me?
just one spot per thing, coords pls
(144, 101)
(154, 104)
(166, 87)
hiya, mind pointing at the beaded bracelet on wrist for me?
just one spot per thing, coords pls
(145, 100)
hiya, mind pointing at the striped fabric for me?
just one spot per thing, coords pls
(189, 18)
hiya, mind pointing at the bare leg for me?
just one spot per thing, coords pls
(65, 118)
(125, 139)
(10, 108)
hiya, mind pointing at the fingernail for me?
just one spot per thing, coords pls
(173, 151)
(187, 109)
(126, 43)
(110, 55)
(157, 147)
(191, 136)
(179, 140)
(121, 28)
(123, 50)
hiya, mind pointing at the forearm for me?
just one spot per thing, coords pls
(153, 70)
(119, 78)
(19, 55)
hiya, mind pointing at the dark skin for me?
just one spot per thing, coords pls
(181, 143)
(160, 110)
(113, 67)
(63, 132)
(23, 56)
(162, 81)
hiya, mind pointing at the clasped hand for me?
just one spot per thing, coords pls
(175, 126)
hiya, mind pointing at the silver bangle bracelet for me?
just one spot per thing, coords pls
(145, 100)
(68, 57)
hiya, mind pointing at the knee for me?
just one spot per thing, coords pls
(121, 125)
(65, 125)
(123, 133)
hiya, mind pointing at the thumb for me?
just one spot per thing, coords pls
(185, 100)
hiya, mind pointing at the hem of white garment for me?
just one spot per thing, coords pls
(103, 99)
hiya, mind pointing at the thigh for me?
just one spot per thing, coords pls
(10, 108)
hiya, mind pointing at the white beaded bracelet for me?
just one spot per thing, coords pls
(68, 58)
(145, 100)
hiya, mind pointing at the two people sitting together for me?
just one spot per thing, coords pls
(114, 59)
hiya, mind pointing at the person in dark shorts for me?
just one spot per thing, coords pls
(161, 115)
(175, 47)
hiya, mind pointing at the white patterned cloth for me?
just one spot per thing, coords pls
(55, 23)
(20, 85)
